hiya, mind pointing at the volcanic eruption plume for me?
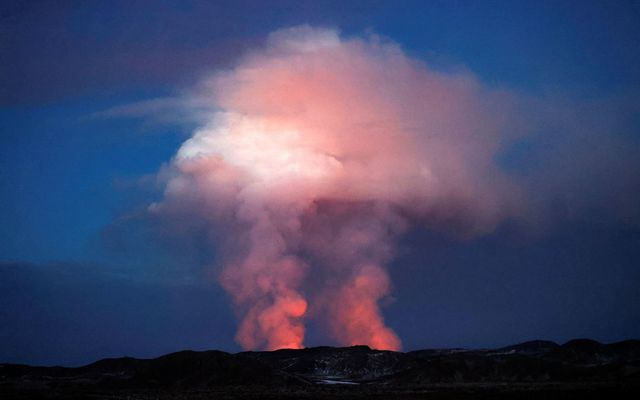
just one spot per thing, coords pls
(319, 153)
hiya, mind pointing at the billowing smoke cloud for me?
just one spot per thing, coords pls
(319, 153)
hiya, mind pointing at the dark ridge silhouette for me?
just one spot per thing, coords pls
(539, 369)
(531, 347)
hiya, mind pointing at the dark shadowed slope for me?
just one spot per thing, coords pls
(539, 367)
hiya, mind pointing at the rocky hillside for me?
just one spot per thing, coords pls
(350, 370)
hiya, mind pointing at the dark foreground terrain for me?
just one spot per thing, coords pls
(534, 370)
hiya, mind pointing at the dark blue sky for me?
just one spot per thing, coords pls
(72, 291)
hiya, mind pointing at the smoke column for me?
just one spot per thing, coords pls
(318, 154)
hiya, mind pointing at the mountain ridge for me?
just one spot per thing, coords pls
(536, 363)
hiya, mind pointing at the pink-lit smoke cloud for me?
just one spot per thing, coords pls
(318, 153)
